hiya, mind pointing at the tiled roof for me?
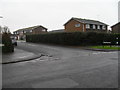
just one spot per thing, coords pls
(116, 24)
(29, 28)
(59, 30)
(87, 21)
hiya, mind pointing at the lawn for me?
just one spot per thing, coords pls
(106, 47)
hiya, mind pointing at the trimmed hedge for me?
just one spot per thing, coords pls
(7, 42)
(73, 38)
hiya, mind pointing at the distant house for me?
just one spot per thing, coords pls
(116, 28)
(84, 25)
(57, 31)
(21, 33)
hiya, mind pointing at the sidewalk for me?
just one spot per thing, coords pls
(18, 56)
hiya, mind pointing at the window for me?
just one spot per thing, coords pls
(24, 31)
(43, 30)
(30, 30)
(87, 26)
(93, 26)
(21, 32)
(103, 27)
(77, 25)
(98, 26)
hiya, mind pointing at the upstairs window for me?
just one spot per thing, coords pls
(87, 26)
(21, 32)
(103, 27)
(93, 26)
(43, 30)
(30, 30)
(98, 27)
(77, 25)
(24, 31)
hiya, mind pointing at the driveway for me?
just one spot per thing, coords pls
(62, 67)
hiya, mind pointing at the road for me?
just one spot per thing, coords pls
(62, 67)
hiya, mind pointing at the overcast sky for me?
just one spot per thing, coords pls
(52, 14)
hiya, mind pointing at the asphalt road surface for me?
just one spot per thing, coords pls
(62, 67)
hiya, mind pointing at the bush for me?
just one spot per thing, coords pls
(73, 38)
(6, 41)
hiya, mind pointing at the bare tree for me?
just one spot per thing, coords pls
(5, 29)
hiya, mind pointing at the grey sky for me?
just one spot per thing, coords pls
(54, 13)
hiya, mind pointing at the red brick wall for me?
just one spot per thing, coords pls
(39, 30)
(70, 26)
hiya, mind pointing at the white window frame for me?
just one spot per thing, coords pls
(24, 31)
(98, 26)
(31, 30)
(43, 30)
(87, 26)
(93, 26)
(77, 25)
(103, 27)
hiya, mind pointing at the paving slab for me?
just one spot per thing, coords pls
(18, 56)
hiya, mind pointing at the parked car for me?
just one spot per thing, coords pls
(14, 41)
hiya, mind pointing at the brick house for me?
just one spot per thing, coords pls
(116, 28)
(85, 25)
(21, 33)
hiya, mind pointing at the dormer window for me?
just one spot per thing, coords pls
(77, 25)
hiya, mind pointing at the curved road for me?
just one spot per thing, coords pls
(63, 67)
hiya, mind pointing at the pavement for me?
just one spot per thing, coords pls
(18, 55)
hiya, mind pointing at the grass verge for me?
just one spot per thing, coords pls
(106, 47)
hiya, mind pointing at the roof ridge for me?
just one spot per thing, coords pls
(28, 27)
(78, 19)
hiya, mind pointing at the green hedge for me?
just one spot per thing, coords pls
(6, 41)
(73, 38)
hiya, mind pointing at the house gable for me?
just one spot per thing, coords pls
(116, 28)
(73, 25)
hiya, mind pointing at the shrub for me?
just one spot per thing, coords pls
(73, 38)
(6, 41)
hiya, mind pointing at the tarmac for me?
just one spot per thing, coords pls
(21, 55)
(18, 56)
